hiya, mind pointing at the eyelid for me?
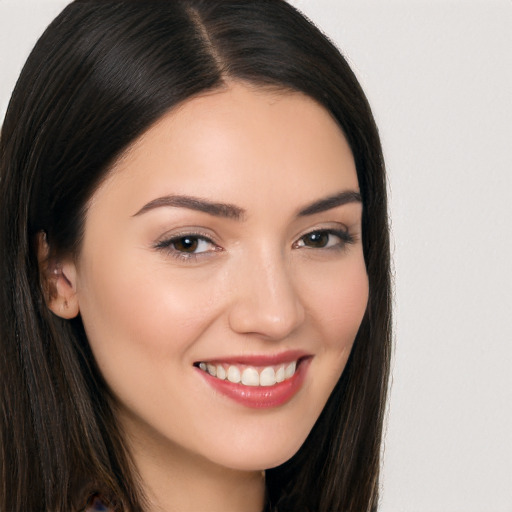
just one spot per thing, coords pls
(165, 243)
(343, 233)
(193, 231)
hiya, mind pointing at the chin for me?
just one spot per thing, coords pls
(246, 454)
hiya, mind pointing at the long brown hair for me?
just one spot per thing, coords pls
(102, 74)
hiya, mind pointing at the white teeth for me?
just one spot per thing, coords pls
(211, 369)
(250, 377)
(233, 374)
(268, 377)
(221, 372)
(290, 370)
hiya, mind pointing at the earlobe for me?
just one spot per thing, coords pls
(58, 281)
(64, 302)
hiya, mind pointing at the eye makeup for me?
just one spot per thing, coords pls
(325, 239)
(187, 246)
(190, 245)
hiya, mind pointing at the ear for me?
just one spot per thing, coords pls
(58, 281)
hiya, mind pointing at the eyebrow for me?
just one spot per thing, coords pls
(233, 212)
(228, 211)
(322, 205)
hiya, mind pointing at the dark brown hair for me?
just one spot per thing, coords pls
(102, 73)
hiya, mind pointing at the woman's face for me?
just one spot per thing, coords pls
(226, 241)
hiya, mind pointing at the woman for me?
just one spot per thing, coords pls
(195, 265)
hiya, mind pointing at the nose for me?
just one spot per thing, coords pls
(265, 301)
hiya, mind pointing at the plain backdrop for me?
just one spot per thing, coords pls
(439, 77)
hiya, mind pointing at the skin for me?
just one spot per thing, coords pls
(259, 286)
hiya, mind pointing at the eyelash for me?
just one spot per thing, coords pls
(168, 245)
(345, 238)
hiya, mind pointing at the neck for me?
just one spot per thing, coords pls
(176, 480)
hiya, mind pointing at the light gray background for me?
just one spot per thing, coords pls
(439, 77)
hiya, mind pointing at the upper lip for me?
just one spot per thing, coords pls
(259, 359)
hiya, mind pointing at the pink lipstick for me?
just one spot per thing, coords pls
(257, 381)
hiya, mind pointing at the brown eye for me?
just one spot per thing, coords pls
(317, 239)
(186, 244)
(325, 239)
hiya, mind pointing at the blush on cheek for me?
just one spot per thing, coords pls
(343, 304)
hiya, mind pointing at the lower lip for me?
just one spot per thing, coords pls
(260, 397)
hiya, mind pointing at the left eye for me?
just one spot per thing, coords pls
(324, 239)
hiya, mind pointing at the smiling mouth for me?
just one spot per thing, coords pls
(254, 376)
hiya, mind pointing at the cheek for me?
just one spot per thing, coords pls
(337, 298)
(135, 315)
(338, 302)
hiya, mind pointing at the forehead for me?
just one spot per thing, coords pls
(237, 143)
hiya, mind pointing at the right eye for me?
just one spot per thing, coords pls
(187, 246)
(190, 244)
